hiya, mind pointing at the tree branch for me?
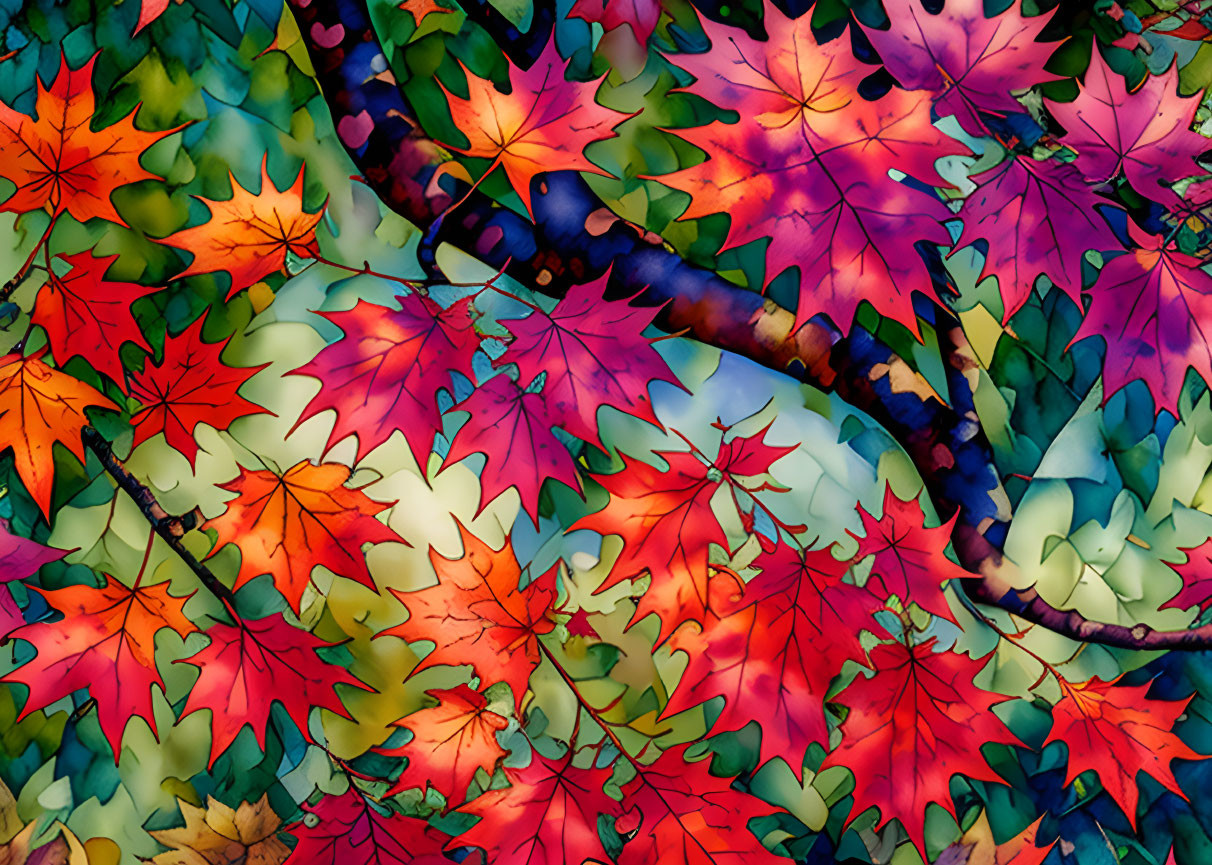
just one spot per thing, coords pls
(574, 239)
(168, 527)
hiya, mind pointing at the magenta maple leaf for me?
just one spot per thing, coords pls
(1146, 134)
(513, 431)
(1196, 573)
(1037, 217)
(970, 63)
(1153, 307)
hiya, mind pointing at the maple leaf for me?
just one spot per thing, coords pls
(86, 315)
(915, 723)
(547, 816)
(1117, 731)
(285, 525)
(419, 9)
(60, 161)
(40, 406)
(349, 829)
(19, 558)
(249, 666)
(451, 741)
(149, 11)
(1152, 306)
(385, 374)
(1196, 573)
(1022, 849)
(594, 353)
(1146, 134)
(250, 234)
(640, 16)
(807, 167)
(774, 649)
(543, 124)
(513, 431)
(221, 835)
(1036, 217)
(690, 816)
(667, 523)
(477, 615)
(910, 559)
(190, 385)
(969, 63)
(105, 643)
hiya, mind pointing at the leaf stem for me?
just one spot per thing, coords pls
(9, 287)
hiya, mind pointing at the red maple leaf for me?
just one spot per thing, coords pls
(60, 161)
(774, 649)
(667, 523)
(477, 615)
(286, 525)
(640, 16)
(807, 167)
(348, 829)
(970, 63)
(1196, 573)
(249, 666)
(691, 817)
(594, 353)
(1146, 134)
(105, 643)
(1036, 217)
(915, 723)
(543, 124)
(190, 385)
(1152, 307)
(1117, 731)
(910, 559)
(547, 816)
(513, 430)
(86, 315)
(450, 742)
(385, 373)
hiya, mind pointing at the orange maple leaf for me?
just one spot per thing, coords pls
(543, 124)
(249, 234)
(450, 742)
(106, 643)
(285, 526)
(477, 615)
(60, 161)
(419, 9)
(38, 407)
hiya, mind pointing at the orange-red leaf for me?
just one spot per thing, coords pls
(477, 615)
(249, 234)
(60, 161)
(667, 523)
(349, 830)
(911, 726)
(1118, 731)
(772, 652)
(691, 817)
(910, 559)
(543, 124)
(450, 742)
(85, 314)
(190, 385)
(547, 816)
(40, 406)
(286, 525)
(247, 667)
(105, 643)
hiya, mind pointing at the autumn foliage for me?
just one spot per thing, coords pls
(379, 555)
